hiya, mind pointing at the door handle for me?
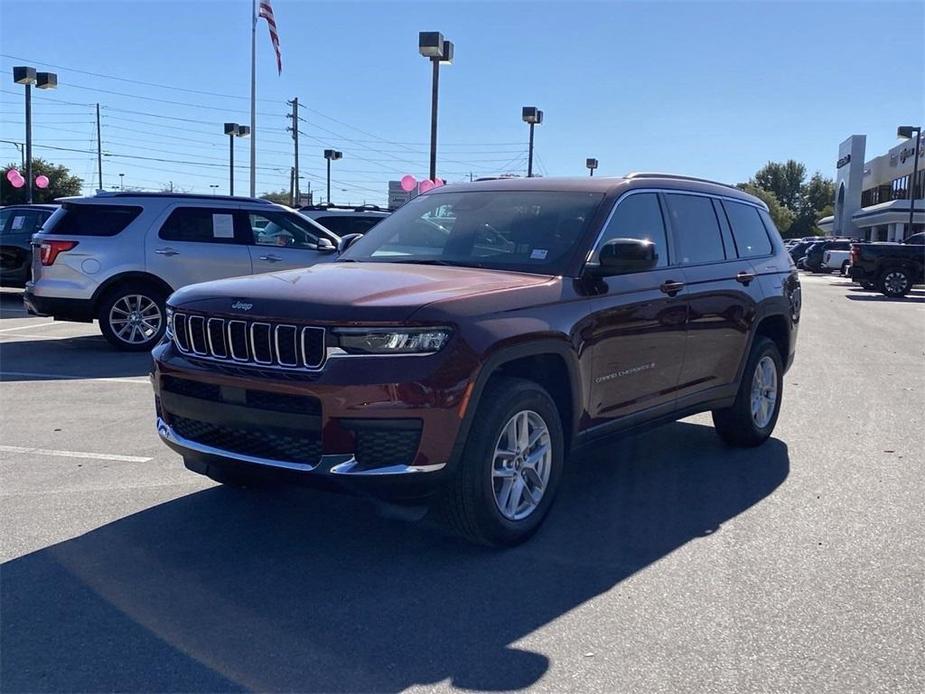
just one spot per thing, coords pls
(745, 277)
(270, 258)
(166, 251)
(671, 288)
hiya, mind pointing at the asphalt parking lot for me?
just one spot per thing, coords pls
(669, 563)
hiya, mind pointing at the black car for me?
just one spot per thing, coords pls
(345, 220)
(891, 268)
(17, 224)
(816, 252)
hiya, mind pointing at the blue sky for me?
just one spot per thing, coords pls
(707, 89)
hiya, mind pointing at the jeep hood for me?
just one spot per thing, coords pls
(354, 292)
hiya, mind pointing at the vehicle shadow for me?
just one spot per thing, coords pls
(11, 305)
(293, 589)
(76, 357)
(908, 299)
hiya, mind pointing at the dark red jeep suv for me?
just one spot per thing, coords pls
(462, 348)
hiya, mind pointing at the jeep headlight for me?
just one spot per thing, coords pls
(392, 340)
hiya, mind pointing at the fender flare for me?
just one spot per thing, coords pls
(134, 276)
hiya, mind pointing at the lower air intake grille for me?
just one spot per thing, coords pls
(260, 444)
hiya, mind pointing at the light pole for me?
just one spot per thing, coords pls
(437, 49)
(533, 116)
(330, 154)
(233, 130)
(907, 132)
(591, 164)
(43, 80)
(122, 182)
(214, 187)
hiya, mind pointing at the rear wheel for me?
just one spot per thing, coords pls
(507, 478)
(751, 419)
(895, 282)
(132, 317)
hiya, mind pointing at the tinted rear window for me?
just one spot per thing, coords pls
(91, 220)
(751, 238)
(696, 229)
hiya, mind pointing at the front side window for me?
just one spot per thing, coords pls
(199, 224)
(696, 229)
(638, 216)
(524, 231)
(751, 238)
(283, 229)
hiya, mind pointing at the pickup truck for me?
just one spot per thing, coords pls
(833, 260)
(891, 268)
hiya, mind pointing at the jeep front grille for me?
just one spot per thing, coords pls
(259, 343)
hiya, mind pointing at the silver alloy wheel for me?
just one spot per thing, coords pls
(895, 282)
(764, 392)
(135, 318)
(521, 465)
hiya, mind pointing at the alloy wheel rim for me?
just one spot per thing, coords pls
(764, 392)
(135, 318)
(895, 282)
(521, 465)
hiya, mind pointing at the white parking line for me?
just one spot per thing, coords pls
(67, 377)
(27, 327)
(74, 454)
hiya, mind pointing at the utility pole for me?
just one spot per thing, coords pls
(291, 186)
(99, 147)
(295, 143)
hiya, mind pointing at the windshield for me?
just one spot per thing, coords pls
(525, 231)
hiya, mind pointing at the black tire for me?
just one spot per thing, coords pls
(867, 285)
(736, 425)
(894, 282)
(151, 297)
(468, 505)
(844, 268)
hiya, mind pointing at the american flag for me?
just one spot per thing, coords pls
(266, 12)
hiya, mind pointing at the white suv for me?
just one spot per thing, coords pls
(117, 256)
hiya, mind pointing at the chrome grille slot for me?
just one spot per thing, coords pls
(197, 335)
(180, 333)
(237, 340)
(215, 327)
(287, 345)
(259, 343)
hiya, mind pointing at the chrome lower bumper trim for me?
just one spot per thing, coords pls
(337, 464)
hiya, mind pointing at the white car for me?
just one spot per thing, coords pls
(116, 257)
(836, 260)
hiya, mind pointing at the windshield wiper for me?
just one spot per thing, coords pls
(428, 261)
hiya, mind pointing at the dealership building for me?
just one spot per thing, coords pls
(872, 197)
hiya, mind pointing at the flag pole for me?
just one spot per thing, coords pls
(253, 99)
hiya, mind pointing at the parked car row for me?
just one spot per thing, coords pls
(116, 257)
(890, 268)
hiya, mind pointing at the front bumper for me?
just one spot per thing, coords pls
(385, 427)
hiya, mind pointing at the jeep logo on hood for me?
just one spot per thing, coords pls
(242, 306)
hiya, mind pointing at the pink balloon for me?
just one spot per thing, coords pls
(18, 182)
(408, 183)
(41, 181)
(11, 175)
(425, 186)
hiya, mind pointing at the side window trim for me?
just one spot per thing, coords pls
(730, 245)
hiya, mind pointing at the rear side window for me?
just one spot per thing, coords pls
(91, 220)
(199, 224)
(20, 221)
(751, 238)
(696, 229)
(638, 216)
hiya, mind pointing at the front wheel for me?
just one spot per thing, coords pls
(895, 282)
(132, 317)
(509, 472)
(751, 419)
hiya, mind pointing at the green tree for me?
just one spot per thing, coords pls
(280, 198)
(783, 217)
(785, 180)
(61, 183)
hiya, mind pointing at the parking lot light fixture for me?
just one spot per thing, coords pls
(907, 132)
(591, 164)
(233, 130)
(532, 116)
(433, 46)
(329, 155)
(27, 76)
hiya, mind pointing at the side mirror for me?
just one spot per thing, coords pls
(623, 256)
(346, 241)
(325, 246)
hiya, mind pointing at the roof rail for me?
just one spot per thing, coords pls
(655, 174)
(193, 196)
